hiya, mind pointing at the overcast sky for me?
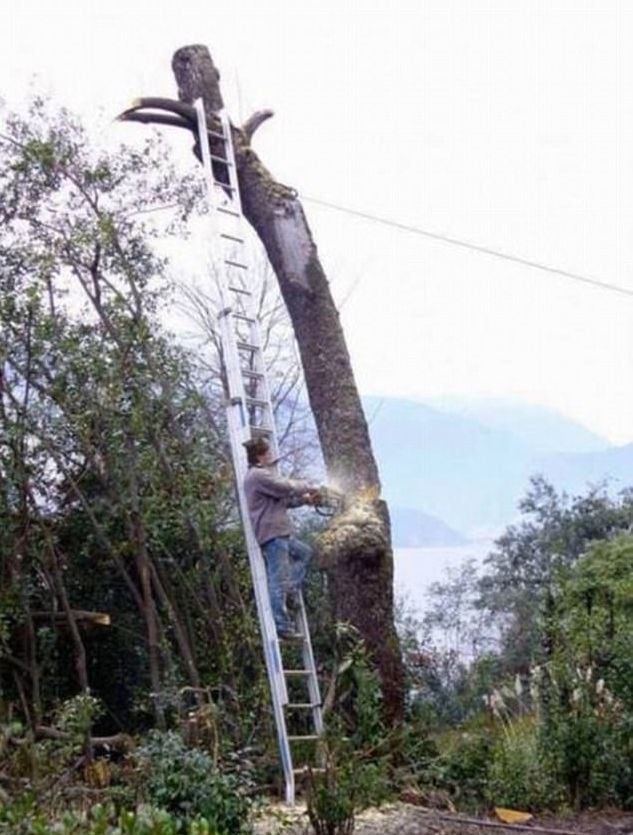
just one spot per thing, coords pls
(507, 124)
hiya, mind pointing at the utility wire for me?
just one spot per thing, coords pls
(526, 262)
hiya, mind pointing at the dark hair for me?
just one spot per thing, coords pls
(254, 448)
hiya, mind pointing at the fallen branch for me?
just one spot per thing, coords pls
(515, 827)
(99, 618)
(118, 742)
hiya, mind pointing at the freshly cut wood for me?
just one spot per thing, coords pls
(117, 742)
(98, 618)
(512, 815)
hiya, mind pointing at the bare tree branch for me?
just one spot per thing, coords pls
(253, 122)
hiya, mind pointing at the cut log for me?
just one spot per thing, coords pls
(97, 618)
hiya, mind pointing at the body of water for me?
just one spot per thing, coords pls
(417, 568)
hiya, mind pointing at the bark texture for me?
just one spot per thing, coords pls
(361, 572)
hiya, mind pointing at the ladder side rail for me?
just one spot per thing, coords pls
(235, 372)
(274, 666)
(230, 155)
(236, 398)
(272, 652)
(239, 432)
(211, 193)
(307, 651)
(255, 328)
(309, 664)
(249, 302)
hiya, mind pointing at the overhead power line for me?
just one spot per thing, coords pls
(517, 259)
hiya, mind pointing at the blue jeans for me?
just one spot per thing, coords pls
(286, 561)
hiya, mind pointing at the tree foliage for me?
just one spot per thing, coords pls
(518, 585)
(115, 491)
(540, 714)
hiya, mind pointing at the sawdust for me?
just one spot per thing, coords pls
(357, 530)
(406, 819)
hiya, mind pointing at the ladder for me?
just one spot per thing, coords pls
(250, 414)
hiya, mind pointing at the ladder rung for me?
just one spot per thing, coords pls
(243, 318)
(298, 672)
(223, 185)
(246, 346)
(305, 738)
(303, 771)
(256, 401)
(216, 158)
(254, 375)
(260, 430)
(217, 134)
(228, 211)
(301, 705)
(235, 264)
(241, 290)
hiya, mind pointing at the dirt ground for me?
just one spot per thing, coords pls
(407, 819)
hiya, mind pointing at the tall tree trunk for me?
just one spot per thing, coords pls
(182, 639)
(362, 573)
(136, 529)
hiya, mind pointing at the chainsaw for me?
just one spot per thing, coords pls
(328, 501)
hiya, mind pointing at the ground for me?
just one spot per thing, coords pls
(406, 819)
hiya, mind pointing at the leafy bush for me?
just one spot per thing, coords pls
(332, 801)
(462, 766)
(587, 695)
(589, 736)
(22, 819)
(341, 790)
(348, 781)
(369, 727)
(521, 773)
(186, 782)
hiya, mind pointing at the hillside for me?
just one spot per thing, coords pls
(574, 472)
(468, 468)
(413, 528)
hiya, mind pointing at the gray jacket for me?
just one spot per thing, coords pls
(269, 496)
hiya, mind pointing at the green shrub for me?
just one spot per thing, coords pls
(462, 766)
(521, 773)
(331, 799)
(22, 818)
(587, 694)
(186, 782)
(347, 782)
(590, 738)
(340, 791)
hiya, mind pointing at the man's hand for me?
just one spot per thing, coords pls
(311, 496)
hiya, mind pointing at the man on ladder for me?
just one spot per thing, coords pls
(269, 496)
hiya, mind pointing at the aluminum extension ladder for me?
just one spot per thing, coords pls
(250, 414)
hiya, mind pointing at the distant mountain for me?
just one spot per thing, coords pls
(450, 466)
(469, 468)
(540, 428)
(413, 528)
(574, 472)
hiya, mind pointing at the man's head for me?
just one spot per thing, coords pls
(257, 450)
